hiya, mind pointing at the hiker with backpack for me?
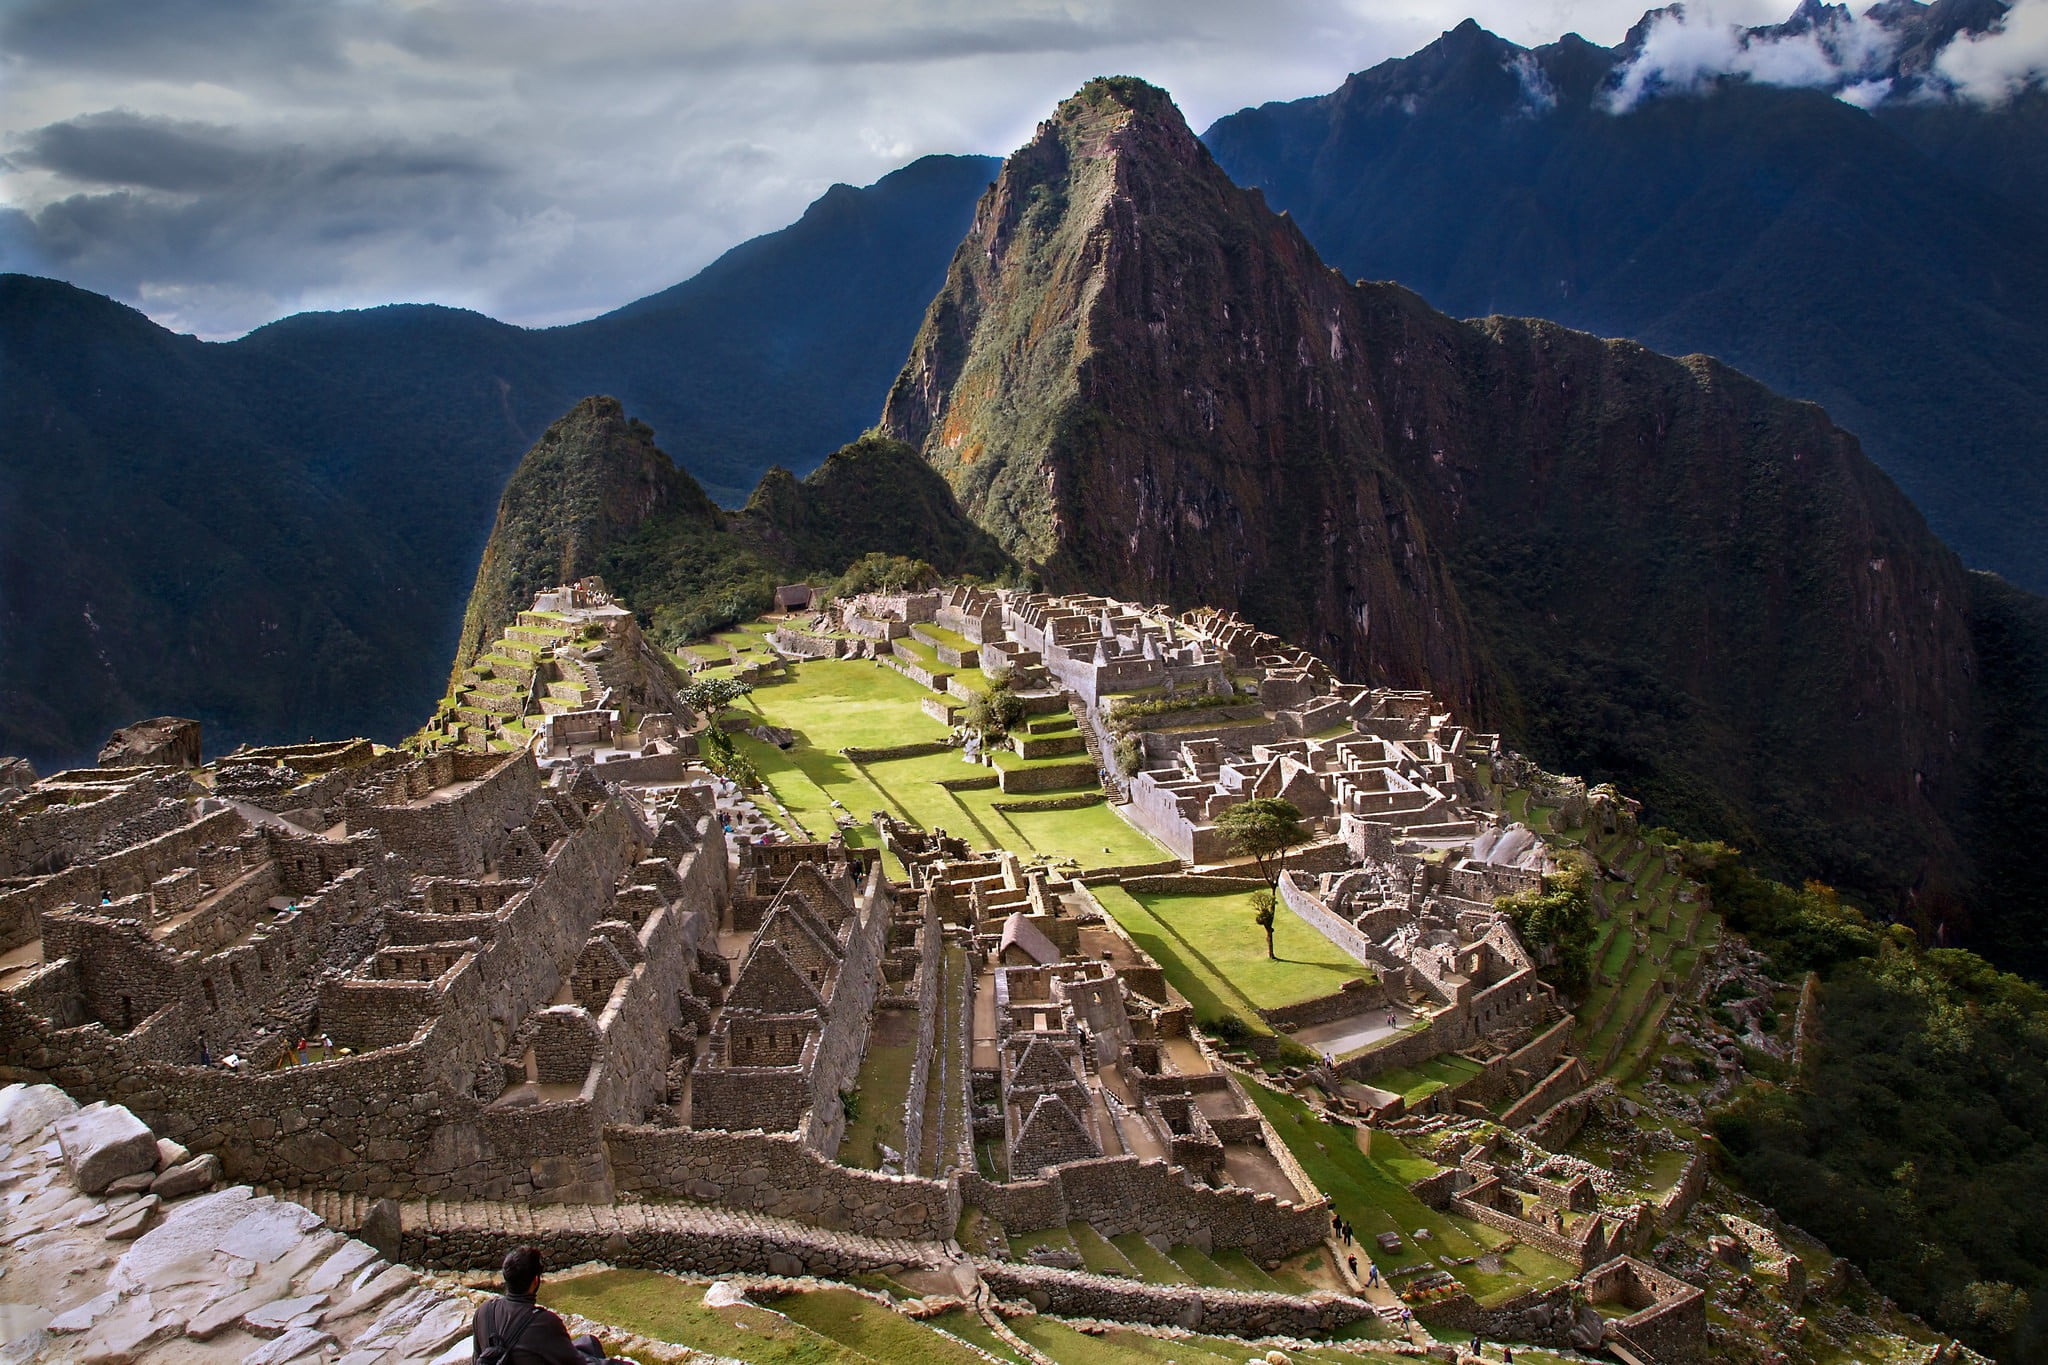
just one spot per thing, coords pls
(513, 1329)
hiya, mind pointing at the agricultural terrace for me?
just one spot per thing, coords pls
(836, 704)
(1214, 953)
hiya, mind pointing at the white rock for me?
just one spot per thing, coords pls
(27, 1110)
(300, 1341)
(82, 1317)
(187, 1177)
(103, 1142)
(169, 1154)
(277, 1315)
(269, 1229)
(185, 1240)
(442, 1324)
(724, 1294)
(352, 1256)
(125, 1333)
(456, 1354)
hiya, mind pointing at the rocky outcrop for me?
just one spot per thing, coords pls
(1653, 571)
(166, 742)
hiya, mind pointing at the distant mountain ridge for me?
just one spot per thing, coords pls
(1890, 264)
(274, 534)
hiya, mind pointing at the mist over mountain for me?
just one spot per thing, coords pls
(1705, 189)
(275, 534)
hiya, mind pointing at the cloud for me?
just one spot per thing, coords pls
(1998, 64)
(1684, 50)
(219, 163)
(1539, 97)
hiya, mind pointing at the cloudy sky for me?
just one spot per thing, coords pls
(220, 163)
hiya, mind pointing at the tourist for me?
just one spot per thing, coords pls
(527, 1333)
(1507, 1355)
(1353, 1262)
(1372, 1279)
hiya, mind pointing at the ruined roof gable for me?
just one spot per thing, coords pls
(769, 983)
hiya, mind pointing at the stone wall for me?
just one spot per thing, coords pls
(777, 1174)
(1358, 997)
(1047, 777)
(457, 835)
(1224, 1312)
(734, 1245)
(1121, 1194)
(40, 835)
(128, 872)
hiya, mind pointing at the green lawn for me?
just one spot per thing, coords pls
(670, 1309)
(1215, 955)
(882, 1083)
(1372, 1194)
(834, 704)
(1417, 1083)
(877, 1332)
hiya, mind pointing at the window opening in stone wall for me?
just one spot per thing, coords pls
(212, 999)
(235, 975)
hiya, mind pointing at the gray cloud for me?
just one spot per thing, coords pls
(221, 162)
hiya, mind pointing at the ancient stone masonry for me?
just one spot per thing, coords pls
(572, 675)
(453, 987)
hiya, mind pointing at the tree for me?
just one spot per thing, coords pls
(1262, 915)
(994, 713)
(1263, 829)
(1556, 919)
(713, 695)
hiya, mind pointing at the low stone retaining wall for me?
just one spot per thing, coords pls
(985, 782)
(1048, 777)
(1123, 1194)
(1229, 1312)
(776, 1174)
(1193, 884)
(1075, 802)
(1361, 996)
(685, 1241)
(922, 749)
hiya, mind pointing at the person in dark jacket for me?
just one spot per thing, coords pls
(533, 1334)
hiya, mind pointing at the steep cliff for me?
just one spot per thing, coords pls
(1143, 383)
(1140, 378)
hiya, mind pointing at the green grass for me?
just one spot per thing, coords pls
(1148, 1260)
(875, 1331)
(969, 1327)
(670, 1309)
(1096, 1252)
(1417, 1083)
(882, 1084)
(1214, 953)
(834, 704)
(1368, 1193)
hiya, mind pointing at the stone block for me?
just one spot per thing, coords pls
(188, 1177)
(103, 1142)
(26, 1110)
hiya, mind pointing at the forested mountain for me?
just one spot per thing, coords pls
(1889, 262)
(1142, 381)
(274, 534)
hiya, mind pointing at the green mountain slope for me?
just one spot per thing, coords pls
(595, 495)
(273, 534)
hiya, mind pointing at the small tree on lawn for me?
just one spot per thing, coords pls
(713, 695)
(993, 713)
(1263, 829)
(1262, 914)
